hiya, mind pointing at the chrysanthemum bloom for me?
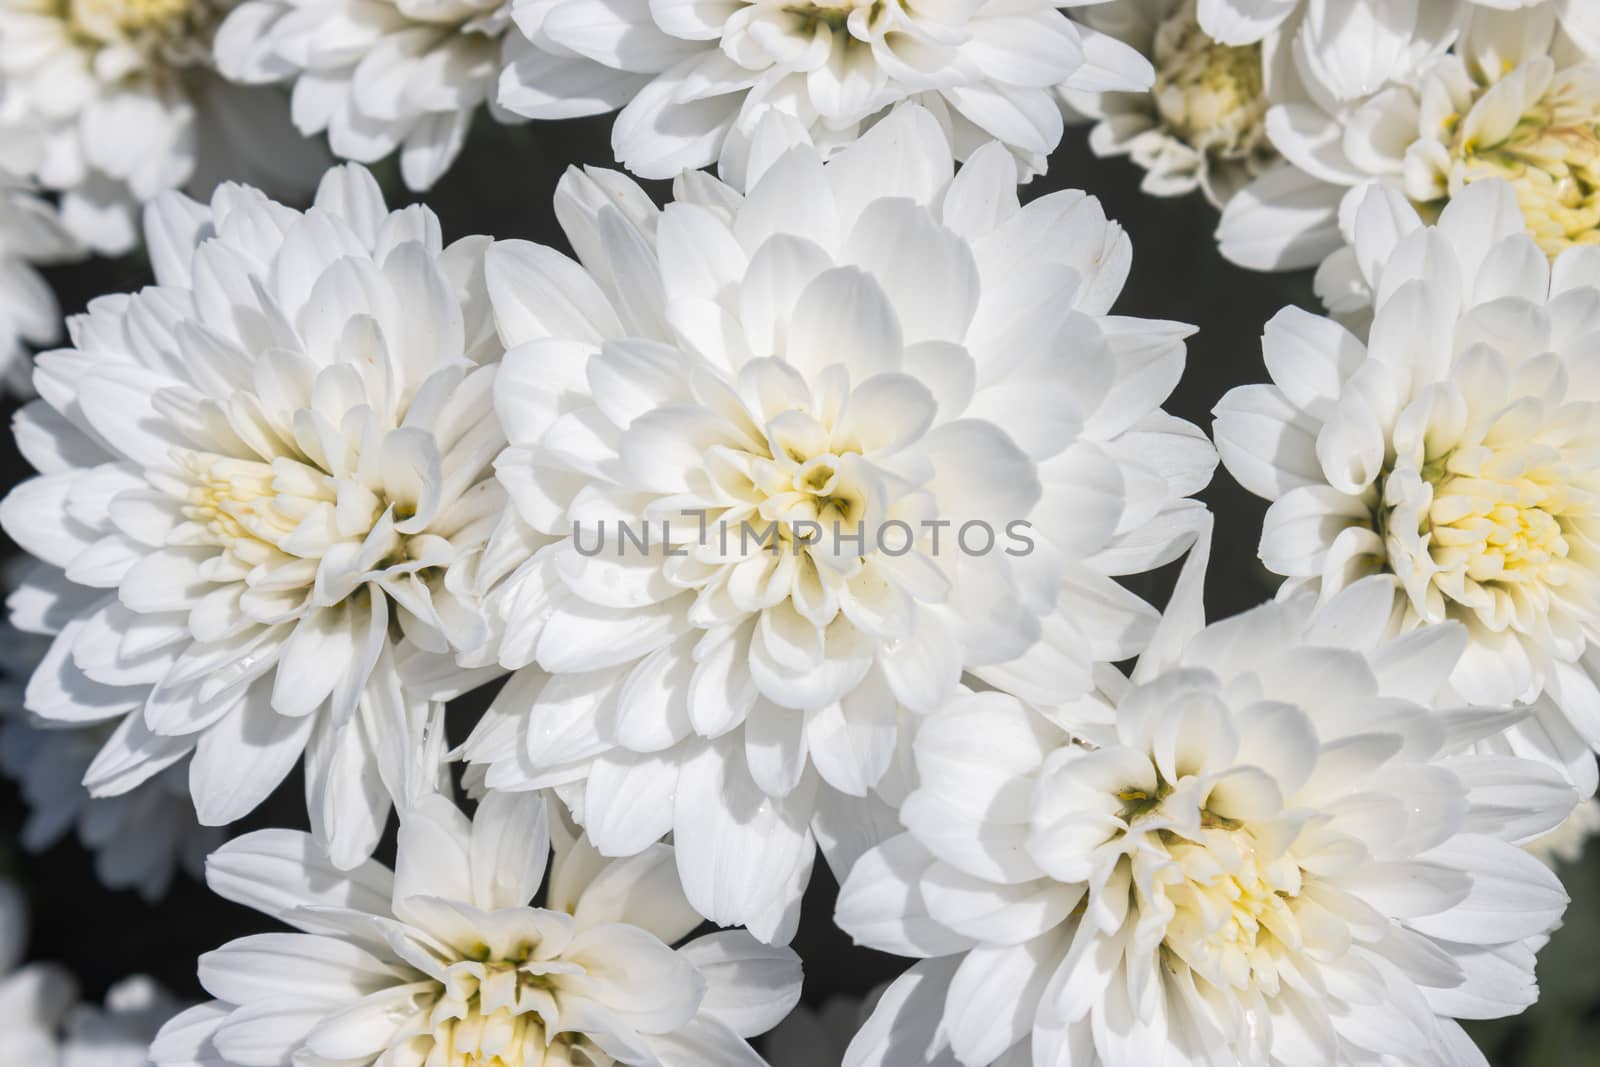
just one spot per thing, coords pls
(254, 476)
(444, 962)
(31, 235)
(693, 80)
(375, 76)
(875, 429)
(1366, 34)
(34, 999)
(1514, 99)
(112, 102)
(1273, 853)
(1203, 125)
(1454, 452)
(139, 838)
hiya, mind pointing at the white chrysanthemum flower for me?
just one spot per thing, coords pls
(1515, 99)
(375, 75)
(256, 476)
(1453, 452)
(139, 838)
(1203, 125)
(444, 962)
(875, 429)
(112, 102)
(31, 235)
(693, 79)
(34, 999)
(1364, 38)
(1272, 853)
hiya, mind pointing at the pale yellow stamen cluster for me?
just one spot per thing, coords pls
(1229, 906)
(1209, 94)
(1496, 530)
(261, 513)
(1232, 904)
(165, 34)
(129, 16)
(803, 475)
(238, 500)
(492, 1014)
(814, 490)
(1492, 522)
(1552, 158)
(833, 15)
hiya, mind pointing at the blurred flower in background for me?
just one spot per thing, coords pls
(45, 1025)
(118, 1033)
(109, 103)
(34, 998)
(1566, 844)
(31, 235)
(139, 838)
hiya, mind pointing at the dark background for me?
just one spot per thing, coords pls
(502, 185)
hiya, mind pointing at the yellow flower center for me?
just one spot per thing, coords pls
(1493, 529)
(833, 16)
(286, 515)
(1552, 158)
(172, 31)
(1207, 93)
(802, 476)
(1229, 906)
(245, 505)
(1228, 900)
(492, 1015)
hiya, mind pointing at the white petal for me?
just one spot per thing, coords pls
(750, 987)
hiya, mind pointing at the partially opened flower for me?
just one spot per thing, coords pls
(1514, 99)
(445, 961)
(693, 81)
(112, 102)
(1272, 852)
(376, 77)
(31, 235)
(1454, 453)
(796, 462)
(1203, 125)
(256, 477)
